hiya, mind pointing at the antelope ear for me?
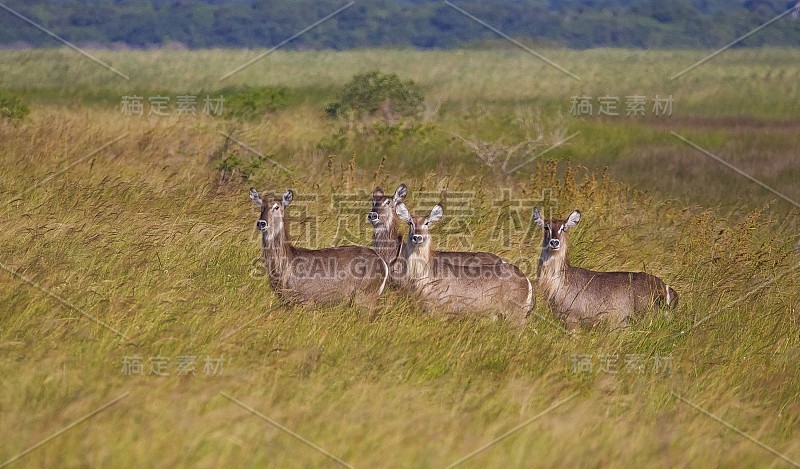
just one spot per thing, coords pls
(287, 197)
(378, 192)
(402, 211)
(573, 220)
(537, 217)
(400, 194)
(436, 214)
(255, 197)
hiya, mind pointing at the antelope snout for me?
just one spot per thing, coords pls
(261, 225)
(416, 239)
(555, 244)
(372, 217)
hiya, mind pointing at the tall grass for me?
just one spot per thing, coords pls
(749, 82)
(144, 237)
(740, 106)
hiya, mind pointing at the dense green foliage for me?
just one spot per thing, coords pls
(249, 103)
(417, 23)
(12, 107)
(373, 92)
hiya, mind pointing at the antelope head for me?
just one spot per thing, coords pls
(383, 207)
(419, 236)
(554, 242)
(272, 222)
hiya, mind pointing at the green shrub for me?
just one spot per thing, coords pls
(12, 107)
(251, 103)
(233, 167)
(377, 94)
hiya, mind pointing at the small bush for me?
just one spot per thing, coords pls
(12, 107)
(377, 94)
(234, 167)
(252, 103)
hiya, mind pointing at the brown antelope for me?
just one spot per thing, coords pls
(386, 238)
(585, 297)
(461, 286)
(323, 276)
(388, 242)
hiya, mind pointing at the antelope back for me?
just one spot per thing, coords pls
(584, 296)
(460, 281)
(321, 276)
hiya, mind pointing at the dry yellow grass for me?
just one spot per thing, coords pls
(142, 237)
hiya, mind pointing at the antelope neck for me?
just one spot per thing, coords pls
(552, 269)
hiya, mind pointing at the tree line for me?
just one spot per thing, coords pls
(399, 23)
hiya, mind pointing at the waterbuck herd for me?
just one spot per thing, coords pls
(455, 283)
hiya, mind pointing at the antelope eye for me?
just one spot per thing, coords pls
(386, 202)
(275, 207)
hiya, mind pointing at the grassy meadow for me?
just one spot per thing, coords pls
(127, 238)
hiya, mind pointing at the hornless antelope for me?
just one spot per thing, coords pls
(388, 243)
(464, 286)
(323, 276)
(585, 297)
(386, 238)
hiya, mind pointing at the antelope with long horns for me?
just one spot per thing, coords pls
(495, 288)
(584, 297)
(321, 276)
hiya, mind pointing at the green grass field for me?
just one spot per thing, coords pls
(121, 240)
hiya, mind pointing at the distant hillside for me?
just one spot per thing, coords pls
(401, 23)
